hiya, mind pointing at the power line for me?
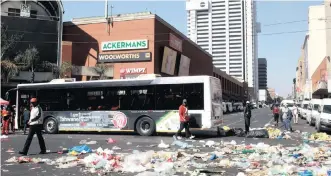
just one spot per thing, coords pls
(267, 34)
(297, 21)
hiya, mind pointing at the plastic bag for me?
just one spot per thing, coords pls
(81, 149)
(261, 133)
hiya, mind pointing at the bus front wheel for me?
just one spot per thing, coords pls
(145, 126)
(50, 126)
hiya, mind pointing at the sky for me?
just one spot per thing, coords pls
(276, 43)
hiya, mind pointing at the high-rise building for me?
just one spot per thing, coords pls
(227, 29)
(263, 77)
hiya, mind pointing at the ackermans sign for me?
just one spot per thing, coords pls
(125, 57)
(124, 45)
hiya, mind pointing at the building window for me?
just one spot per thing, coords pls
(14, 12)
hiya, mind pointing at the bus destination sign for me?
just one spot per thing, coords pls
(125, 57)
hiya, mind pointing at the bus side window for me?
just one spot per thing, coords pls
(194, 96)
(172, 95)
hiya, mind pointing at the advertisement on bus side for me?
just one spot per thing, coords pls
(92, 120)
(116, 120)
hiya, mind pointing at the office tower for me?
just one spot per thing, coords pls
(263, 77)
(227, 30)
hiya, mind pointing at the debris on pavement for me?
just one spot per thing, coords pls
(10, 150)
(111, 141)
(182, 145)
(3, 136)
(77, 150)
(258, 133)
(88, 143)
(116, 148)
(320, 137)
(180, 158)
(273, 133)
(163, 145)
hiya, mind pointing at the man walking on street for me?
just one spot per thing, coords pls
(247, 116)
(184, 121)
(36, 126)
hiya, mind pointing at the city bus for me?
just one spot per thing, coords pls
(145, 106)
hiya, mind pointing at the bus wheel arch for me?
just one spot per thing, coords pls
(145, 126)
(51, 125)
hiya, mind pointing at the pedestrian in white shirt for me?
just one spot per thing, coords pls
(295, 114)
(36, 126)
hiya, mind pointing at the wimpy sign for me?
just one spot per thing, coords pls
(134, 70)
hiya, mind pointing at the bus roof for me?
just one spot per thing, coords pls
(117, 82)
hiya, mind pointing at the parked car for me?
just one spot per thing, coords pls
(229, 107)
(238, 106)
(303, 109)
(224, 108)
(254, 105)
(311, 115)
(323, 119)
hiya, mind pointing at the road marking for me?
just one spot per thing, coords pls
(269, 122)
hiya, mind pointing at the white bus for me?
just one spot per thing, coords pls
(146, 105)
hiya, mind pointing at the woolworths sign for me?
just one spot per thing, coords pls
(124, 45)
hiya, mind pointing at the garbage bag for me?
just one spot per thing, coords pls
(226, 128)
(226, 133)
(230, 132)
(261, 133)
(221, 132)
(239, 132)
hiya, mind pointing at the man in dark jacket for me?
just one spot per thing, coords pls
(247, 116)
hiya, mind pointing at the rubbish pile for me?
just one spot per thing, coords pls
(267, 132)
(183, 158)
(320, 137)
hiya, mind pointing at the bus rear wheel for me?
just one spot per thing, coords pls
(51, 126)
(145, 126)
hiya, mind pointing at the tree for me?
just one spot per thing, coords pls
(29, 59)
(64, 69)
(60, 72)
(8, 42)
(8, 69)
(101, 70)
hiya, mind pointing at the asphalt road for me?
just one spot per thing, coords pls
(260, 117)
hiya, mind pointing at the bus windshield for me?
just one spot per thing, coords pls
(289, 105)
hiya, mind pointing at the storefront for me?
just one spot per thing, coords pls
(132, 45)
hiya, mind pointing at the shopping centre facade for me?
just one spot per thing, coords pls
(135, 44)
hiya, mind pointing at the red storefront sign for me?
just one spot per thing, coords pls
(175, 42)
(130, 73)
